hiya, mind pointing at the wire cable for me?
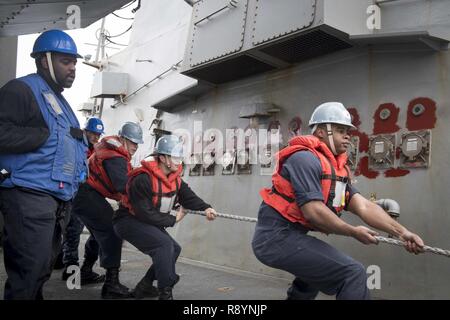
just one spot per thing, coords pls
(119, 44)
(121, 34)
(116, 15)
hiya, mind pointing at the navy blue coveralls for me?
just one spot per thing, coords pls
(147, 229)
(96, 213)
(72, 241)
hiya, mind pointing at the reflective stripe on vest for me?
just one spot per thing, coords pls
(162, 186)
(158, 197)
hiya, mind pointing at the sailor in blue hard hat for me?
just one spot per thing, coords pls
(56, 53)
(42, 163)
(93, 128)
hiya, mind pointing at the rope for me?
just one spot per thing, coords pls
(224, 215)
(391, 241)
(426, 248)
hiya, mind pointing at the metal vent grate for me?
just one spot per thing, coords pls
(306, 46)
(232, 69)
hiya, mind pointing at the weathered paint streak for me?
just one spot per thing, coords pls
(427, 120)
(394, 173)
(363, 137)
(355, 117)
(363, 169)
(363, 140)
(295, 127)
(398, 152)
(388, 125)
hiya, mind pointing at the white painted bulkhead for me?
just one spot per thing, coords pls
(362, 78)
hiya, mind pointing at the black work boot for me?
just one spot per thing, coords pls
(88, 276)
(112, 288)
(145, 289)
(165, 293)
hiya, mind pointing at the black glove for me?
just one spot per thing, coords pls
(76, 133)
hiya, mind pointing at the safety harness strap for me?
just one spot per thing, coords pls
(331, 194)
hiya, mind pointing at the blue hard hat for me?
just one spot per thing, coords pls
(94, 125)
(170, 145)
(55, 41)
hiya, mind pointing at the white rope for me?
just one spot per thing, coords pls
(426, 248)
(391, 241)
(224, 215)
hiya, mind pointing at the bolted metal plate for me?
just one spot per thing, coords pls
(381, 151)
(415, 149)
(275, 18)
(412, 145)
(218, 29)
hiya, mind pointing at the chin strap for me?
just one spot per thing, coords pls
(50, 66)
(330, 139)
(169, 163)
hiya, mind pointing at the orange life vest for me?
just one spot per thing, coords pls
(162, 185)
(107, 148)
(282, 197)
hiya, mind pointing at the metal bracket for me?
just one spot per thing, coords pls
(267, 169)
(243, 162)
(208, 164)
(196, 165)
(229, 162)
(232, 4)
(353, 153)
